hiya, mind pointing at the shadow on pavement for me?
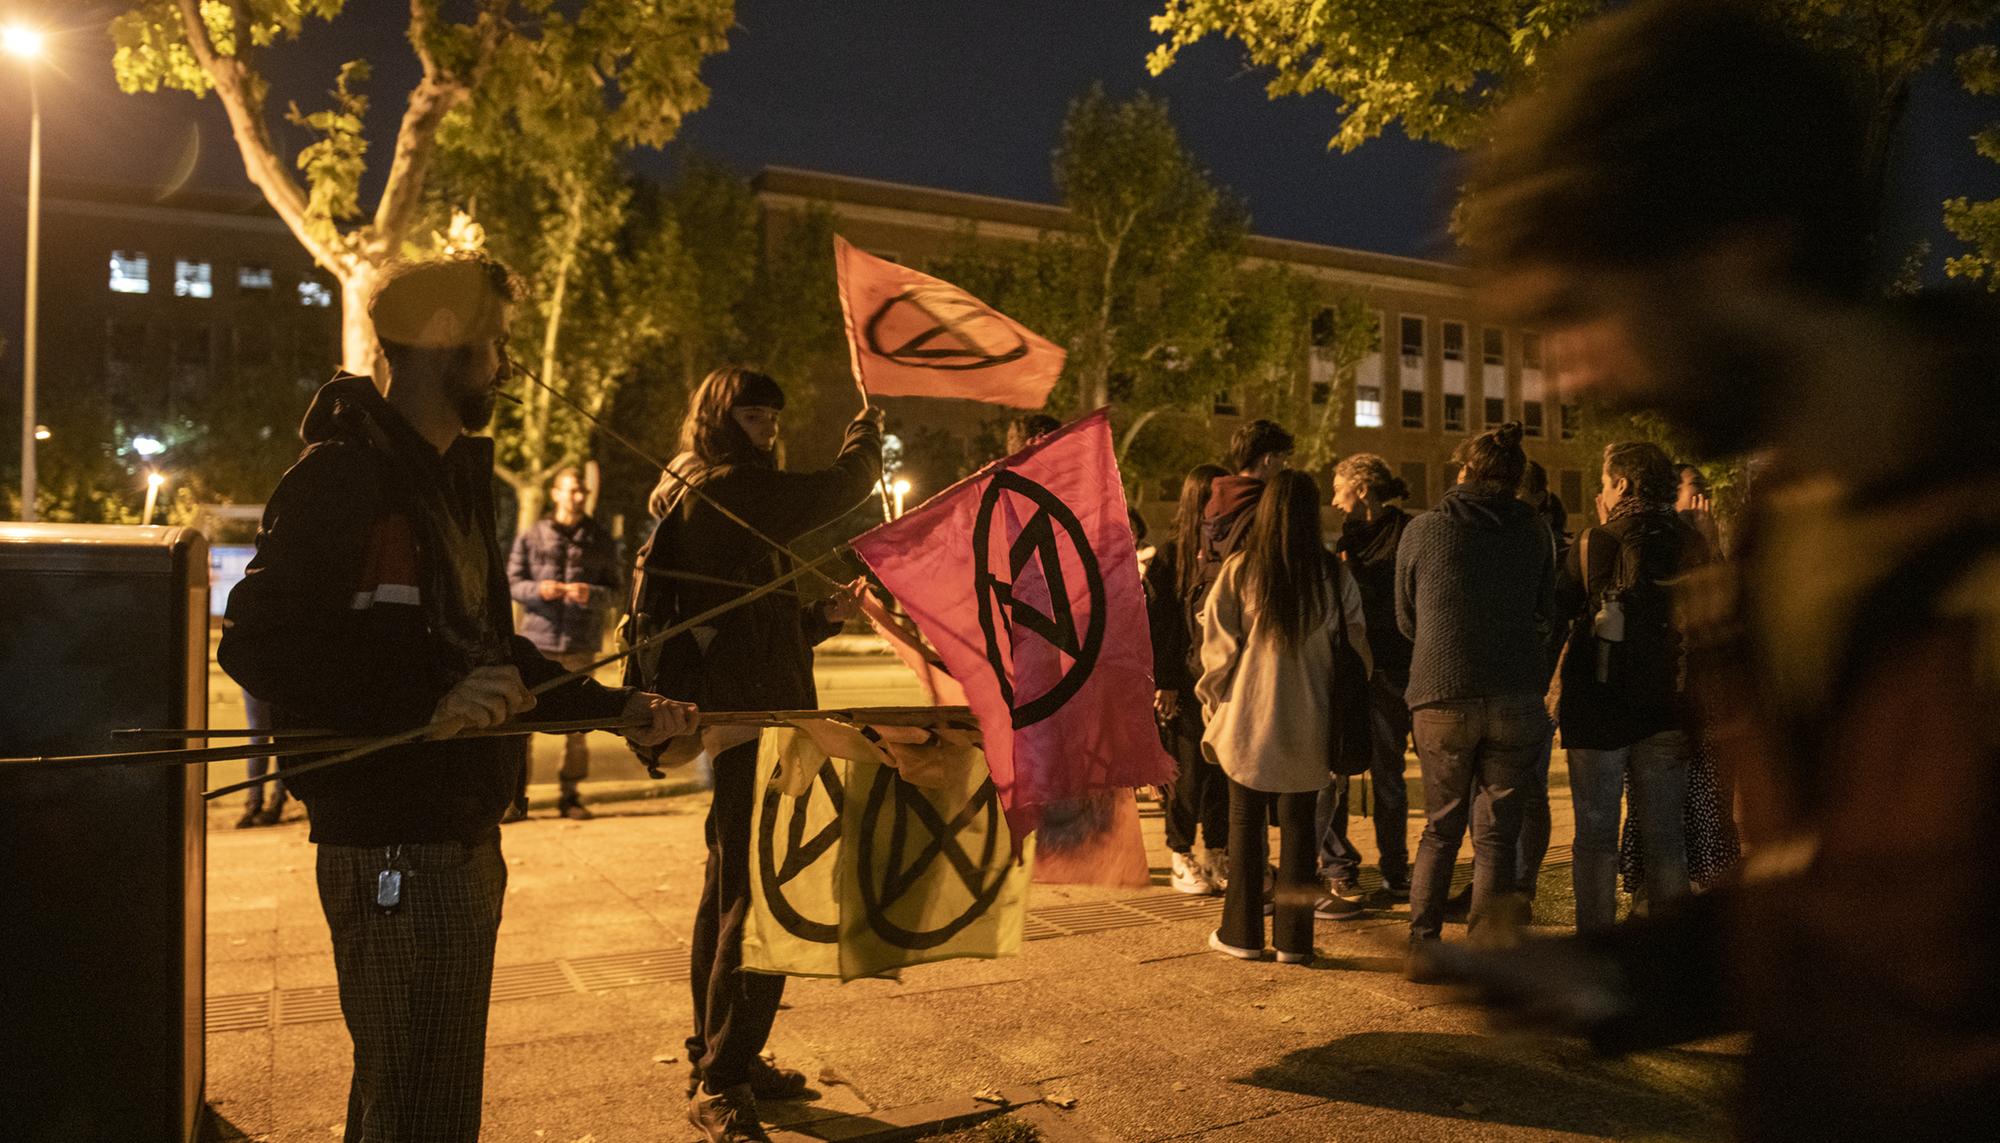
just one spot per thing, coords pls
(1520, 1082)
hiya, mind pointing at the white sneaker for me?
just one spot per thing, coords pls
(1190, 878)
(1216, 942)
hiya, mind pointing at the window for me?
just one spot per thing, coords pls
(1571, 489)
(1324, 329)
(193, 279)
(1454, 341)
(130, 273)
(124, 354)
(1368, 406)
(253, 277)
(1414, 475)
(1413, 342)
(1225, 404)
(1322, 392)
(1496, 412)
(1531, 351)
(313, 292)
(1454, 376)
(1454, 412)
(1413, 408)
(1572, 420)
(1531, 418)
(1496, 347)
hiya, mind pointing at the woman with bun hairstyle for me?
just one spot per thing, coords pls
(1475, 595)
(1266, 688)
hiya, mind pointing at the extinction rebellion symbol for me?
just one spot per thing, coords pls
(941, 327)
(801, 852)
(1051, 528)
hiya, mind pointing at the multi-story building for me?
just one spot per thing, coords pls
(155, 304)
(1442, 372)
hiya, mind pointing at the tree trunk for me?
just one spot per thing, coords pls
(528, 499)
(358, 349)
(1132, 434)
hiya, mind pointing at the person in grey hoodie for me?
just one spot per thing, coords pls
(1475, 580)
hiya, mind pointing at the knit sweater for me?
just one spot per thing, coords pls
(1475, 582)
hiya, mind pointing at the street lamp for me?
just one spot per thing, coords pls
(901, 488)
(25, 44)
(153, 482)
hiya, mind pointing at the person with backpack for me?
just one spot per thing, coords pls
(1272, 628)
(1620, 709)
(1475, 585)
(1367, 491)
(1198, 800)
(756, 657)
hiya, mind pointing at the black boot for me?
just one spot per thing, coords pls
(570, 804)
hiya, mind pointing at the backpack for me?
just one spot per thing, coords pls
(1208, 559)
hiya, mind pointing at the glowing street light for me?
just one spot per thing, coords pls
(148, 446)
(21, 41)
(25, 44)
(41, 432)
(901, 488)
(153, 483)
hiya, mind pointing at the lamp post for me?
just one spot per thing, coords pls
(25, 44)
(153, 482)
(901, 488)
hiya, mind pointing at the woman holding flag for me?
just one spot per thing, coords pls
(1266, 687)
(756, 657)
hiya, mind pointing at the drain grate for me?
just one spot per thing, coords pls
(307, 1005)
(1094, 917)
(626, 970)
(1177, 907)
(242, 1012)
(527, 981)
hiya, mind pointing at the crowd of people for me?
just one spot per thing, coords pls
(1463, 629)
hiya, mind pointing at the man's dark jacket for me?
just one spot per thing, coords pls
(580, 553)
(1370, 548)
(377, 585)
(1475, 595)
(758, 656)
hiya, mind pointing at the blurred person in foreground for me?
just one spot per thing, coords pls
(1683, 206)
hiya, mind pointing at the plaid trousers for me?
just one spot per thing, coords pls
(415, 982)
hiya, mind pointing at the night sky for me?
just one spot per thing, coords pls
(968, 96)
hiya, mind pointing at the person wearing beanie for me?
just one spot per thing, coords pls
(377, 603)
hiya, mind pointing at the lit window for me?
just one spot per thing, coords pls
(1413, 408)
(1367, 406)
(130, 273)
(193, 279)
(1496, 412)
(313, 292)
(253, 277)
(1454, 341)
(1496, 346)
(1454, 412)
(1531, 418)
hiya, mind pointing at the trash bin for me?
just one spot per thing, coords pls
(101, 869)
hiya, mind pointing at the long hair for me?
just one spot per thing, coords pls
(1195, 491)
(1284, 560)
(710, 433)
(1494, 458)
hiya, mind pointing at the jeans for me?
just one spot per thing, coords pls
(1658, 766)
(1477, 755)
(257, 716)
(1390, 718)
(1249, 839)
(733, 1009)
(1198, 798)
(1534, 844)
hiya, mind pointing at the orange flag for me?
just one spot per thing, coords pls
(912, 335)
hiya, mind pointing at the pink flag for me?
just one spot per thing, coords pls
(1023, 577)
(908, 647)
(912, 335)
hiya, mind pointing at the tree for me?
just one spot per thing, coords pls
(637, 60)
(1437, 70)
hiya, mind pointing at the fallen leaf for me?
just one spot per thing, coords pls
(666, 1058)
(988, 1095)
(1062, 1101)
(1180, 1087)
(1286, 1019)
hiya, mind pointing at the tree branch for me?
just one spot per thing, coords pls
(241, 93)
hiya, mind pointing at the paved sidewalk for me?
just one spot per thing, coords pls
(1116, 1005)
